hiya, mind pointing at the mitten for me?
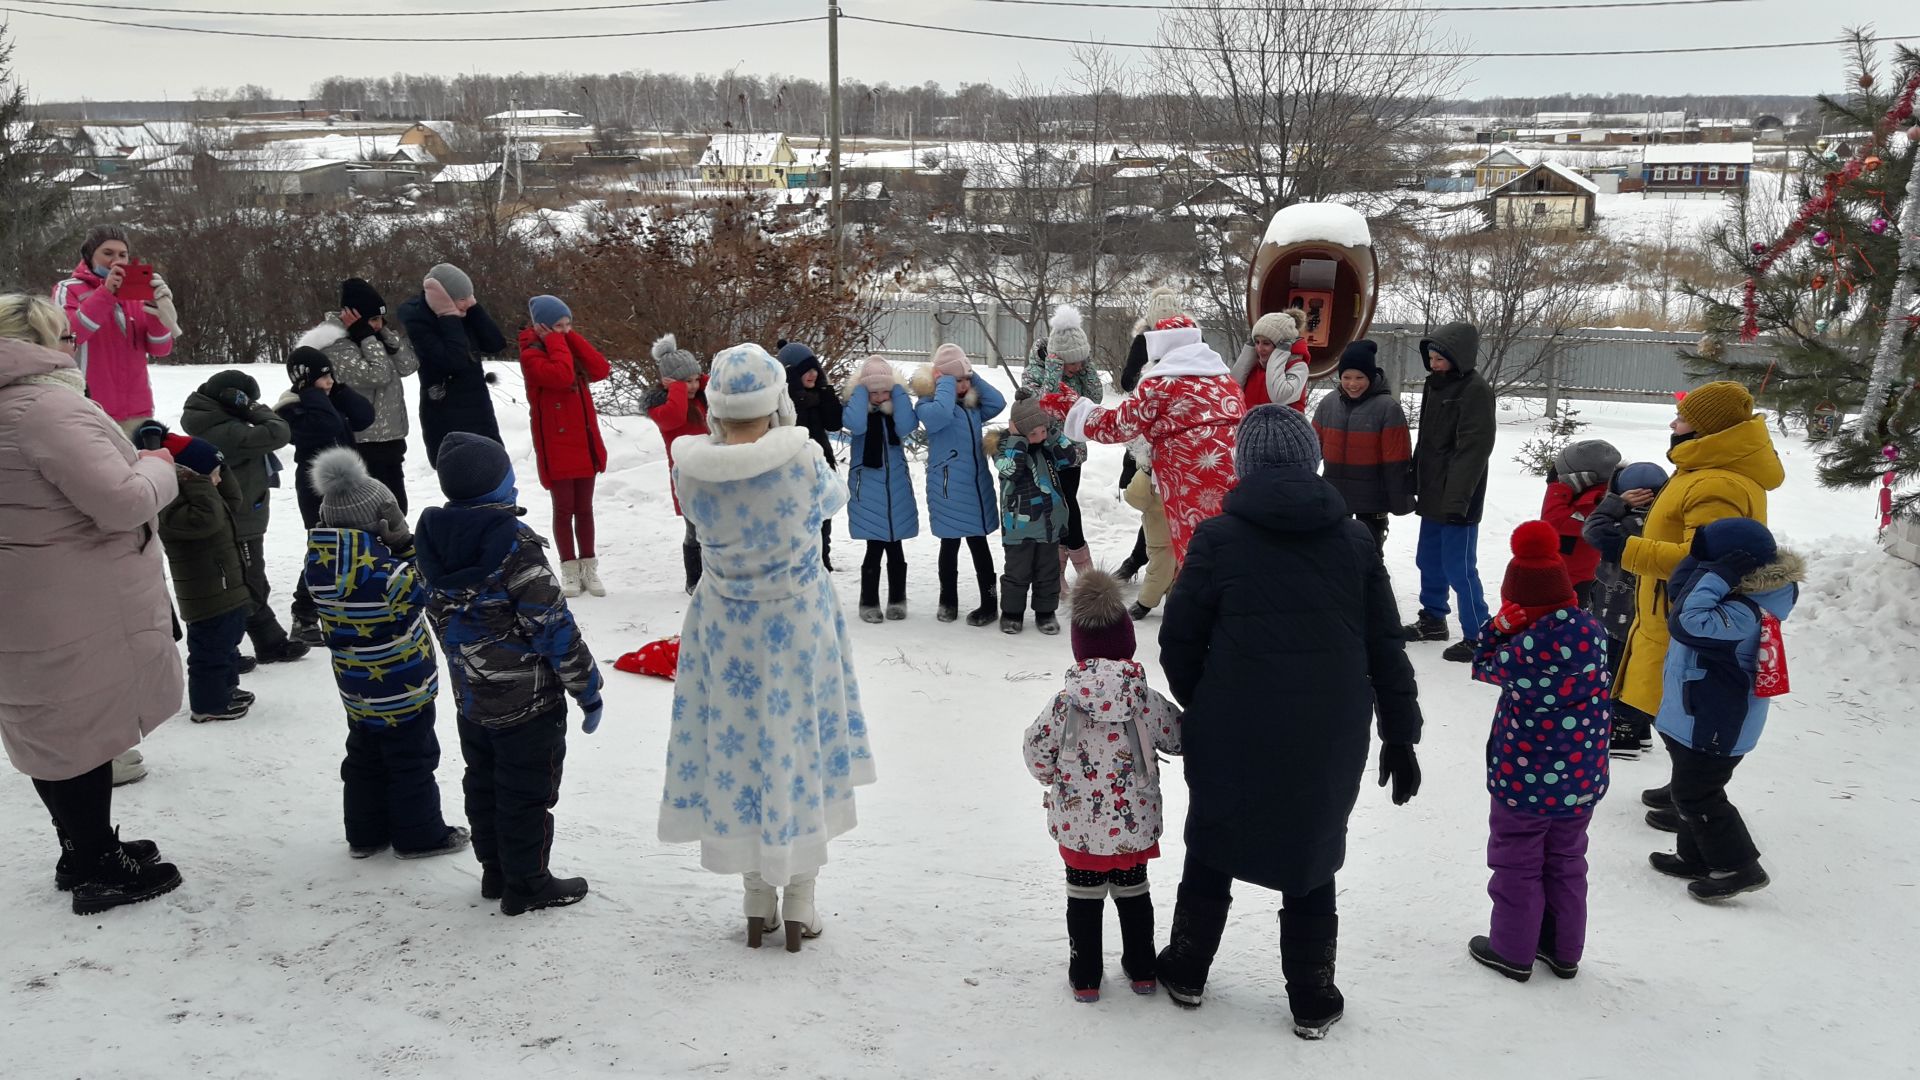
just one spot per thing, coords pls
(1398, 763)
(437, 299)
(1608, 536)
(362, 329)
(1511, 618)
(591, 707)
(1059, 403)
(235, 400)
(396, 537)
(150, 435)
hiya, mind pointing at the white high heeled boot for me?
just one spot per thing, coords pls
(798, 912)
(761, 906)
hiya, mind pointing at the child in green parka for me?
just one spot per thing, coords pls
(209, 579)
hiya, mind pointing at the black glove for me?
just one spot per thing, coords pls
(150, 435)
(1398, 763)
(361, 330)
(1458, 519)
(235, 400)
(1608, 536)
(1553, 474)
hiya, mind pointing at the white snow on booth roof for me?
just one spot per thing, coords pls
(1328, 223)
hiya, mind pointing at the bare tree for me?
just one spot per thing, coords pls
(1290, 92)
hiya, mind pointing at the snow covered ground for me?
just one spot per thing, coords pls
(945, 952)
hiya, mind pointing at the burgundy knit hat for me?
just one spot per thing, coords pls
(1537, 576)
(1102, 629)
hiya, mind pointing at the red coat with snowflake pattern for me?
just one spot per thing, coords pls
(1189, 409)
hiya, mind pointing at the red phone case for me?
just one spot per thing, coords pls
(138, 284)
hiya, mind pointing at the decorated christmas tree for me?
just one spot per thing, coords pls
(1829, 292)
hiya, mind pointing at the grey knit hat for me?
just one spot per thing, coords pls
(1586, 463)
(1275, 435)
(453, 279)
(1066, 338)
(349, 497)
(674, 362)
(1028, 415)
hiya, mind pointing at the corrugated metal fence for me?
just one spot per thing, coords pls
(1602, 365)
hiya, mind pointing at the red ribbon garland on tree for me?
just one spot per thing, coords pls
(1819, 204)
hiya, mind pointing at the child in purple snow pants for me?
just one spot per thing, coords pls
(1546, 760)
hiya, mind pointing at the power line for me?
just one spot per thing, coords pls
(464, 13)
(1456, 55)
(517, 39)
(1290, 9)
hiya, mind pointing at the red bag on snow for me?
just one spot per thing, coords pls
(657, 658)
(1770, 678)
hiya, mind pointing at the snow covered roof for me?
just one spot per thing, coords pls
(1136, 172)
(467, 174)
(747, 150)
(1556, 169)
(1699, 153)
(1502, 155)
(419, 155)
(535, 114)
(1326, 222)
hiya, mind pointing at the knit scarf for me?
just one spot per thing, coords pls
(880, 435)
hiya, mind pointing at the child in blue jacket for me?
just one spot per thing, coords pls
(373, 611)
(962, 499)
(1034, 514)
(1733, 590)
(1546, 759)
(881, 508)
(513, 651)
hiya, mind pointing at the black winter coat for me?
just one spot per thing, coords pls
(819, 410)
(1280, 638)
(453, 382)
(1456, 431)
(245, 441)
(323, 419)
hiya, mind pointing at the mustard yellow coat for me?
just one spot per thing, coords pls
(1723, 475)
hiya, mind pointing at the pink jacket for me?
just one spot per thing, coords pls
(115, 338)
(87, 659)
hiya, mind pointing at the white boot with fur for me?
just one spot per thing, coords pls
(590, 577)
(570, 578)
(762, 908)
(797, 910)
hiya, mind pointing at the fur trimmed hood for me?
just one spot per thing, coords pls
(715, 462)
(1787, 568)
(328, 332)
(923, 383)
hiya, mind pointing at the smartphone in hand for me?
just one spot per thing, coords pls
(138, 284)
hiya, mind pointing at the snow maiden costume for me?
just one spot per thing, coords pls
(768, 739)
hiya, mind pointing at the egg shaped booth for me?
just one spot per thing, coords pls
(1317, 257)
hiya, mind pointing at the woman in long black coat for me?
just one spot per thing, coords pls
(1281, 637)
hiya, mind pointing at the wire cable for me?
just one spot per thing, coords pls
(520, 38)
(461, 13)
(1455, 55)
(1288, 9)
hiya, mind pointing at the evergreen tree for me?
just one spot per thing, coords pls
(32, 208)
(1819, 292)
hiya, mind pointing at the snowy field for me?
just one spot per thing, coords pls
(945, 952)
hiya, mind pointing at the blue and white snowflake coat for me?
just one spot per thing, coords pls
(768, 740)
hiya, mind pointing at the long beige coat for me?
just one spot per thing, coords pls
(87, 658)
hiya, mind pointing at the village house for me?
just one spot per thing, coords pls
(743, 160)
(522, 119)
(1696, 170)
(1498, 167)
(434, 137)
(1546, 196)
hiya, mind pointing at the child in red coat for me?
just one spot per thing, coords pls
(1575, 485)
(559, 365)
(677, 402)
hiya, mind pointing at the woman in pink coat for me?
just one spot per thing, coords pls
(114, 338)
(87, 659)
(1188, 408)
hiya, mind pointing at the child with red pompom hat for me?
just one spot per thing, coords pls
(1546, 759)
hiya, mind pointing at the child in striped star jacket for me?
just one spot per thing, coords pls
(372, 608)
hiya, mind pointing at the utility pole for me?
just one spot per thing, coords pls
(833, 129)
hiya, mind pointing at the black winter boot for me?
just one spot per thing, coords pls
(1136, 941)
(870, 593)
(119, 878)
(307, 632)
(1195, 937)
(67, 873)
(1138, 611)
(1659, 798)
(989, 602)
(1727, 884)
(522, 897)
(1481, 949)
(493, 884)
(948, 609)
(896, 590)
(1046, 623)
(1084, 923)
(1428, 628)
(1666, 819)
(1307, 946)
(1547, 948)
(690, 555)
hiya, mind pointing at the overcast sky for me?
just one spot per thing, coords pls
(61, 60)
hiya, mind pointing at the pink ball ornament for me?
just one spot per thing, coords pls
(1821, 239)
(1759, 248)
(1913, 134)
(1878, 225)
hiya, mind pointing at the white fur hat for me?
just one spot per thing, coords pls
(745, 383)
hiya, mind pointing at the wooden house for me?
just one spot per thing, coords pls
(1546, 196)
(1697, 170)
(748, 160)
(1498, 167)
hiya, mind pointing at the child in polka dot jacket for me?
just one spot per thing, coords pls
(1094, 749)
(1546, 759)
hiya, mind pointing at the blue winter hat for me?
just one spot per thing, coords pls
(1742, 539)
(474, 468)
(744, 383)
(194, 454)
(548, 310)
(1640, 474)
(792, 353)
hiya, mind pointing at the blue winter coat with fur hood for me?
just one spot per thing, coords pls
(880, 501)
(961, 495)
